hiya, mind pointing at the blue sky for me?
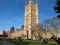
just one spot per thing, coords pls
(12, 12)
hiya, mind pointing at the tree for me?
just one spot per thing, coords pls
(52, 24)
(40, 26)
(57, 8)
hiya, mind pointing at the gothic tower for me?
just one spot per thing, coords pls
(31, 17)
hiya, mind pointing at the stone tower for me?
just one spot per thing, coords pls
(31, 17)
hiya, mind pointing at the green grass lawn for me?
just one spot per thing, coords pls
(30, 42)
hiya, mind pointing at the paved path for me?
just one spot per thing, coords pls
(6, 43)
(0, 42)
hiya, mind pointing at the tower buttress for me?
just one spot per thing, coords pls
(36, 11)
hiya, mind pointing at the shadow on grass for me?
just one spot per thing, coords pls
(19, 42)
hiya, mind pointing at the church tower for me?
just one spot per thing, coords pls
(31, 17)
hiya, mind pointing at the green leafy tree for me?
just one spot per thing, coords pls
(57, 8)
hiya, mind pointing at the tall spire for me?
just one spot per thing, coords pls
(36, 1)
(30, 1)
(27, 2)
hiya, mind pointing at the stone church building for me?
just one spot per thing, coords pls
(30, 30)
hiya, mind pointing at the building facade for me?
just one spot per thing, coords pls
(30, 28)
